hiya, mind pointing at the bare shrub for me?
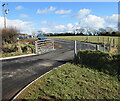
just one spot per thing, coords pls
(9, 35)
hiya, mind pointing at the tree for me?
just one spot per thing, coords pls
(82, 30)
(109, 29)
(102, 31)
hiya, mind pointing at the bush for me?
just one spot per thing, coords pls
(9, 35)
(101, 61)
(28, 49)
(7, 48)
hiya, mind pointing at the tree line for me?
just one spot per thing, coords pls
(108, 31)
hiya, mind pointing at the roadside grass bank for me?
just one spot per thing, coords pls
(9, 50)
(77, 80)
(21, 47)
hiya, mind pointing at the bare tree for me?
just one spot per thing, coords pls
(109, 29)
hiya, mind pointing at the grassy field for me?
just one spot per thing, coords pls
(73, 82)
(92, 39)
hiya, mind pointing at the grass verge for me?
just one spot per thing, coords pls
(73, 82)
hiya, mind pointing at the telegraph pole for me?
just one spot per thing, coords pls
(5, 11)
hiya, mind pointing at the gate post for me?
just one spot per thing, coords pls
(36, 47)
(75, 49)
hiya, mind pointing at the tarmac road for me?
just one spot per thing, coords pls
(17, 73)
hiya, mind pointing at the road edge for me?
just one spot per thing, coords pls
(14, 98)
(14, 57)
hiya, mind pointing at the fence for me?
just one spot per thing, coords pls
(102, 45)
(44, 45)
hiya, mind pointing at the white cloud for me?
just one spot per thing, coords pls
(19, 7)
(81, 13)
(69, 27)
(19, 24)
(92, 21)
(63, 12)
(48, 24)
(51, 8)
(45, 30)
(112, 19)
(59, 28)
(46, 10)
(24, 16)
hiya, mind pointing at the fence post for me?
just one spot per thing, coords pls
(103, 44)
(110, 42)
(53, 43)
(113, 43)
(36, 47)
(97, 47)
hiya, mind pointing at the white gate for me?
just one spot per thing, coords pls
(44, 45)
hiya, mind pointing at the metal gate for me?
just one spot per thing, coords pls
(44, 46)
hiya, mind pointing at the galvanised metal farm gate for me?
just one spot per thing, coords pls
(45, 45)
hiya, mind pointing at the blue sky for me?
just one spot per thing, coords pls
(61, 16)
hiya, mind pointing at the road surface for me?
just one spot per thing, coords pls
(17, 73)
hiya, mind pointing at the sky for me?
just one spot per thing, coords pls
(48, 17)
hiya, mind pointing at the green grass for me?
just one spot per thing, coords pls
(92, 39)
(73, 82)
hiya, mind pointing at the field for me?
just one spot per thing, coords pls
(92, 39)
(73, 82)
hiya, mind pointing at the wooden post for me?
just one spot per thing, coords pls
(113, 43)
(108, 40)
(110, 45)
(36, 47)
(53, 43)
(97, 47)
(103, 45)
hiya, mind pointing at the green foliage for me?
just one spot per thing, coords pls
(72, 82)
(99, 60)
